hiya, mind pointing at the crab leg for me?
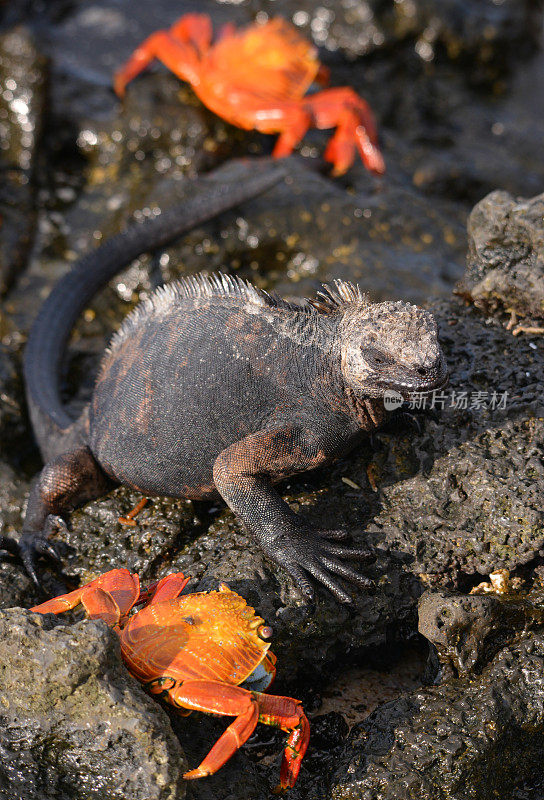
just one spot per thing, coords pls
(180, 59)
(248, 708)
(97, 603)
(168, 588)
(344, 110)
(219, 698)
(122, 587)
(195, 29)
(226, 30)
(287, 713)
(295, 121)
(100, 605)
(180, 49)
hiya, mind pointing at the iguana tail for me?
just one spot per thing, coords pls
(51, 330)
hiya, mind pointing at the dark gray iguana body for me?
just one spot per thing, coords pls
(213, 387)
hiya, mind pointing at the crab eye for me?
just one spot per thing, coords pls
(375, 357)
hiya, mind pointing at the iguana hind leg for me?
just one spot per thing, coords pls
(66, 482)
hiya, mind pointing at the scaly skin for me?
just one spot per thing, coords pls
(215, 388)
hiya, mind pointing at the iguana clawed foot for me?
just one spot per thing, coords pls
(32, 546)
(314, 553)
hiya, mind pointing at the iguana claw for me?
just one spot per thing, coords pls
(32, 546)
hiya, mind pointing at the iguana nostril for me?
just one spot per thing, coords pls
(421, 371)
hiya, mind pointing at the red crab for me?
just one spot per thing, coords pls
(194, 652)
(258, 78)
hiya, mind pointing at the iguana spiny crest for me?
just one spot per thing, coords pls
(387, 345)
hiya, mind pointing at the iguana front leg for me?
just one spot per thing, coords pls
(242, 474)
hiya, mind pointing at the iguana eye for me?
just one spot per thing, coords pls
(375, 357)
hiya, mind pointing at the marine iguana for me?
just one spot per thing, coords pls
(215, 387)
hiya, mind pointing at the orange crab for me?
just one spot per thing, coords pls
(194, 652)
(258, 78)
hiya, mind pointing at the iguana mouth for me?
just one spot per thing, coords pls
(418, 381)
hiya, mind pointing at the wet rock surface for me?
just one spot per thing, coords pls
(466, 739)
(14, 431)
(506, 256)
(74, 723)
(453, 86)
(22, 104)
(473, 737)
(468, 630)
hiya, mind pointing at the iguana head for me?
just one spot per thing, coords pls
(384, 346)
(391, 346)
